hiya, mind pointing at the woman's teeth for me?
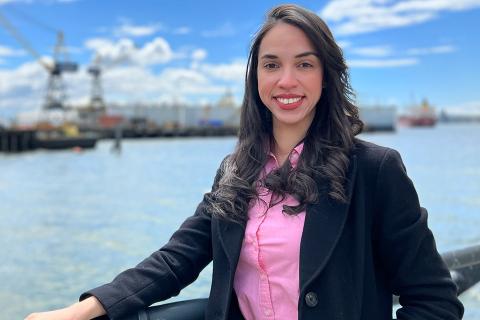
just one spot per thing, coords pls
(289, 101)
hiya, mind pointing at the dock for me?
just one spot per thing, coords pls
(17, 140)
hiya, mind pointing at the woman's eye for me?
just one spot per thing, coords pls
(305, 65)
(270, 65)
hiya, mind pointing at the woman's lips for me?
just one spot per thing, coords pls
(289, 103)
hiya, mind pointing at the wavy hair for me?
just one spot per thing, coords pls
(324, 161)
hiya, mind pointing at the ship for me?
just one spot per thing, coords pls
(423, 115)
(378, 118)
(65, 137)
(28, 132)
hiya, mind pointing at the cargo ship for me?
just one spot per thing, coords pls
(419, 116)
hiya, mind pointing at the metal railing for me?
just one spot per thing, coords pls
(464, 265)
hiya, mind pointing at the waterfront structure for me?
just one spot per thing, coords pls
(378, 118)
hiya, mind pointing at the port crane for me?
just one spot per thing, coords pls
(96, 70)
(96, 90)
(56, 90)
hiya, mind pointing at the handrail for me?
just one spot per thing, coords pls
(464, 266)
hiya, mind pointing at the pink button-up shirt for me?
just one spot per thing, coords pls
(267, 276)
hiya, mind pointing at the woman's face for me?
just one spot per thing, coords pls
(289, 77)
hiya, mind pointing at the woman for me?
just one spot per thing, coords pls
(304, 220)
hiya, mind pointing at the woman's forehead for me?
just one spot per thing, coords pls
(285, 40)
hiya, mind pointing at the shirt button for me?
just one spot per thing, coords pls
(311, 299)
(267, 312)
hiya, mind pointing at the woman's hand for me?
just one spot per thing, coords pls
(60, 314)
(87, 309)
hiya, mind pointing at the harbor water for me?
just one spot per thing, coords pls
(72, 220)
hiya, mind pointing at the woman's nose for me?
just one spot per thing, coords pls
(288, 79)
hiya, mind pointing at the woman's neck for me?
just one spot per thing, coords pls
(285, 139)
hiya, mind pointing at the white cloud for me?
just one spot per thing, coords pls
(184, 80)
(111, 52)
(360, 16)
(381, 63)
(133, 84)
(373, 51)
(234, 72)
(30, 75)
(199, 54)
(344, 43)
(226, 30)
(9, 52)
(437, 5)
(382, 51)
(157, 51)
(24, 87)
(431, 50)
(129, 30)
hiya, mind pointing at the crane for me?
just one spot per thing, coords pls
(96, 69)
(55, 96)
(96, 91)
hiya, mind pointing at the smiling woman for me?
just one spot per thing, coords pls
(304, 220)
(289, 79)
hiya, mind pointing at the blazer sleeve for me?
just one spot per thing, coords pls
(165, 272)
(414, 268)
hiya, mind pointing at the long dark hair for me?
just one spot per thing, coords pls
(327, 144)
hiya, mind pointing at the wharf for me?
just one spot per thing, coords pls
(19, 140)
(142, 132)
(16, 140)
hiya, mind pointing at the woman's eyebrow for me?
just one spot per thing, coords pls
(304, 54)
(300, 55)
(269, 56)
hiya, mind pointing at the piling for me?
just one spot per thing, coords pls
(12, 140)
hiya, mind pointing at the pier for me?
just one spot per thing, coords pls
(19, 140)
(16, 140)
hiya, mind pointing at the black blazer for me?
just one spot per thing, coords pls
(353, 256)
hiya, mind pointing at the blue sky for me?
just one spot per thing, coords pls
(399, 52)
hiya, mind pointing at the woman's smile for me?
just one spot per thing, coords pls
(289, 101)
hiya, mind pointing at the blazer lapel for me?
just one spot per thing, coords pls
(324, 223)
(231, 237)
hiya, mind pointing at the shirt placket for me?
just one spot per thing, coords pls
(265, 297)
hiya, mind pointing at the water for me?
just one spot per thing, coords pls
(72, 221)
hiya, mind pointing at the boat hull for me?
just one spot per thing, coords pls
(66, 143)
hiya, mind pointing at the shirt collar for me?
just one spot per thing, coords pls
(293, 157)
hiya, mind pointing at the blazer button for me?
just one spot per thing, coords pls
(311, 299)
